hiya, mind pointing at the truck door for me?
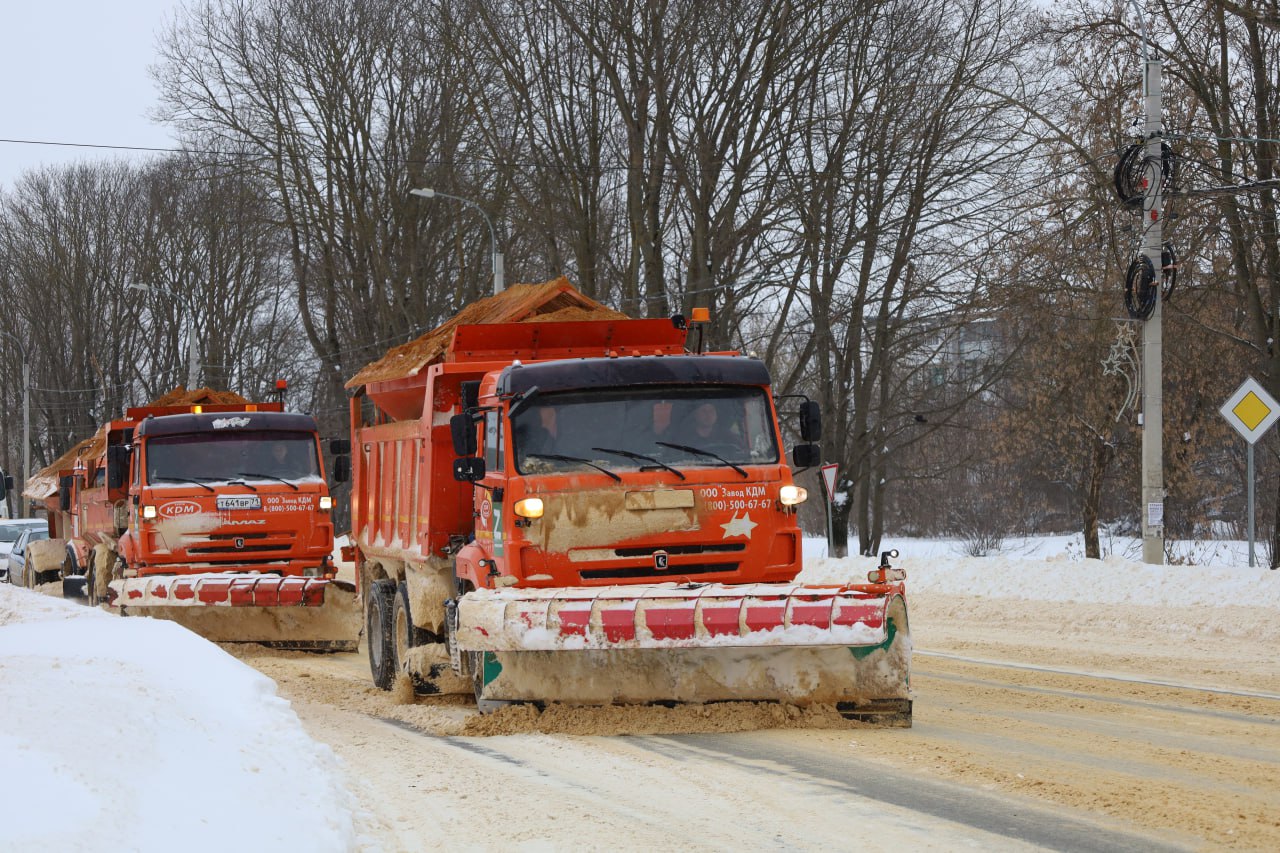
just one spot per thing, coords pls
(490, 488)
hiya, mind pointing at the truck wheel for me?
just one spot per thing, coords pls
(90, 578)
(403, 628)
(379, 632)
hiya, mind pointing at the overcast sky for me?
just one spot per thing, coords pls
(75, 71)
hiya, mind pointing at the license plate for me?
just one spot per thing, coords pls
(239, 502)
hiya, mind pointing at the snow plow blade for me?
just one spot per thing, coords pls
(312, 614)
(848, 646)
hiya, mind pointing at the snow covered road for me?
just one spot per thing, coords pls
(1066, 750)
(1063, 705)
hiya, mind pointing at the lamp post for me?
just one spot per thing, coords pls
(193, 361)
(26, 420)
(427, 192)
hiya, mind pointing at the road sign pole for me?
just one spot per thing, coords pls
(1250, 476)
(828, 478)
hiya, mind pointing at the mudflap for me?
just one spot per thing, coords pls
(775, 649)
(74, 586)
(306, 614)
(432, 672)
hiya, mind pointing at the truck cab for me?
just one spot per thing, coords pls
(220, 491)
(599, 471)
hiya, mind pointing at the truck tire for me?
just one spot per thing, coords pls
(409, 636)
(402, 634)
(379, 631)
(90, 584)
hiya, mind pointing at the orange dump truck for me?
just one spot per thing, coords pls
(216, 516)
(582, 511)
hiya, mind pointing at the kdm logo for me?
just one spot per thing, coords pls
(177, 509)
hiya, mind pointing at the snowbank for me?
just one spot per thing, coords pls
(137, 734)
(1058, 577)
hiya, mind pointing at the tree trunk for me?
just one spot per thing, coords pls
(1099, 461)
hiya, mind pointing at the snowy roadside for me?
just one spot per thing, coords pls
(134, 733)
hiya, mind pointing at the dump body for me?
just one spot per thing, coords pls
(626, 530)
(214, 516)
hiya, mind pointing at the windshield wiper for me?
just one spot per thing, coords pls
(560, 457)
(629, 454)
(700, 452)
(262, 476)
(185, 480)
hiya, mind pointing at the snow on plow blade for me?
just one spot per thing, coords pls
(283, 612)
(685, 643)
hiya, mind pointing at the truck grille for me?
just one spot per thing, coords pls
(254, 543)
(650, 572)
(649, 550)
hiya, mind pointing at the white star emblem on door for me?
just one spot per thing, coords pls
(739, 526)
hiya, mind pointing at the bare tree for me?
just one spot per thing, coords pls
(340, 109)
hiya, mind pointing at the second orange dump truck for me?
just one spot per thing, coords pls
(583, 511)
(214, 515)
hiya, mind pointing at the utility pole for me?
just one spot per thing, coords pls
(24, 504)
(1152, 333)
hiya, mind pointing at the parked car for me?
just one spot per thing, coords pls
(17, 559)
(10, 530)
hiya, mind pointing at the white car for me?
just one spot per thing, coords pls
(17, 559)
(10, 530)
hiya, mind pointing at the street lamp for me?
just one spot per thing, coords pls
(427, 192)
(193, 362)
(26, 420)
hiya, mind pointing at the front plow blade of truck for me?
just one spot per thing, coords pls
(311, 614)
(847, 646)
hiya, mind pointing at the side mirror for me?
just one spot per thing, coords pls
(117, 466)
(468, 469)
(339, 446)
(64, 493)
(470, 394)
(806, 455)
(810, 421)
(341, 469)
(463, 430)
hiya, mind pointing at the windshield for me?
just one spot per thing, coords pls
(9, 533)
(607, 426)
(240, 455)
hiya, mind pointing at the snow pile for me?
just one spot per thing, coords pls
(136, 733)
(1058, 578)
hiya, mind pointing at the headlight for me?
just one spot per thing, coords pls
(529, 508)
(326, 502)
(148, 511)
(792, 495)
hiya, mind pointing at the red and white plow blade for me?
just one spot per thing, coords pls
(671, 643)
(669, 616)
(288, 612)
(240, 590)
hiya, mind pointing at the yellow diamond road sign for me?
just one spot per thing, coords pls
(1251, 410)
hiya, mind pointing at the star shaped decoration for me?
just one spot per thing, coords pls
(739, 526)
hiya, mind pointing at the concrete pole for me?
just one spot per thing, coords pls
(193, 359)
(1152, 333)
(26, 435)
